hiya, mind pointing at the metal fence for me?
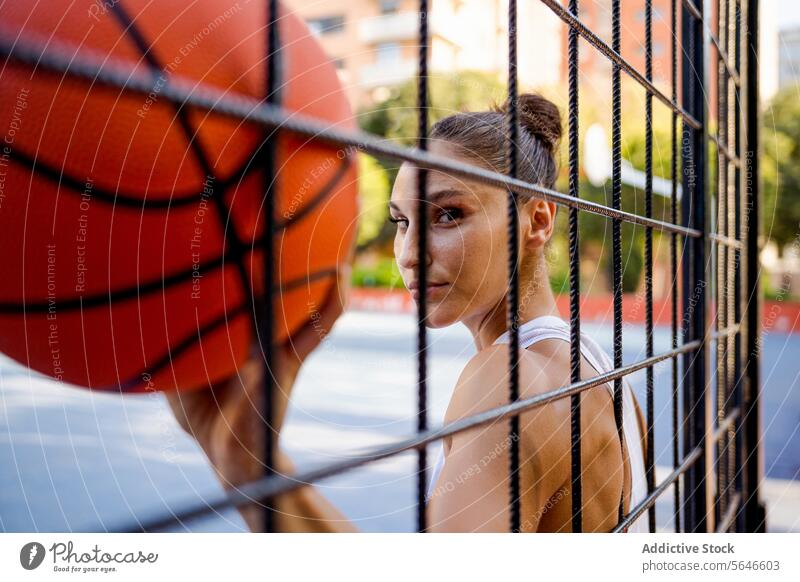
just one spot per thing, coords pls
(716, 473)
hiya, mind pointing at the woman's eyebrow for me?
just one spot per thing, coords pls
(440, 195)
(434, 197)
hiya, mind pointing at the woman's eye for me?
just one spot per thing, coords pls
(449, 215)
(400, 222)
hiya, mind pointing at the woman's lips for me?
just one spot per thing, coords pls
(431, 289)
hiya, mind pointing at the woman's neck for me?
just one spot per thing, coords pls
(487, 327)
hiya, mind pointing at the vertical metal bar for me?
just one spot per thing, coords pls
(727, 177)
(754, 512)
(575, 275)
(673, 251)
(730, 252)
(422, 305)
(513, 269)
(687, 207)
(720, 254)
(648, 256)
(693, 213)
(616, 225)
(687, 169)
(739, 343)
(266, 321)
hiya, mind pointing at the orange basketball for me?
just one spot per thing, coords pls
(131, 227)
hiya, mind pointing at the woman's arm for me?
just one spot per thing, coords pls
(226, 422)
(226, 425)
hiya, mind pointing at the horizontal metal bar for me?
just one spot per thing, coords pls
(725, 240)
(729, 155)
(725, 425)
(271, 486)
(573, 21)
(725, 332)
(722, 55)
(730, 513)
(687, 462)
(693, 9)
(187, 92)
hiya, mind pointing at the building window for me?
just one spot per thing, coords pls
(389, 53)
(327, 25)
(390, 6)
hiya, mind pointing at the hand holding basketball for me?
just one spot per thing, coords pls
(226, 422)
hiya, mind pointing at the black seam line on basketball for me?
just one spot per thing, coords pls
(191, 135)
(323, 193)
(75, 186)
(174, 352)
(310, 278)
(136, 291)
(229, 231)
(190, 340)
(131, 292)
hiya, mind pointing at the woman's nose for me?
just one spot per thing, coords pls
(409, 253)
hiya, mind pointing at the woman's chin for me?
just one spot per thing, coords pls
(437, 317)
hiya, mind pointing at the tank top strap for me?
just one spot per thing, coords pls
(547, 327)
(538, 329)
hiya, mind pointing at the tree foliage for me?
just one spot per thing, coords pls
(780, 167)
(373, 192)
(396, 117)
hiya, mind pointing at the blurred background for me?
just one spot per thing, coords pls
(81, 460)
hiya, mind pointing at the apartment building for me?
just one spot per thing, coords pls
(374, 43)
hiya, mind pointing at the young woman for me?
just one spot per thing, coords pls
(466, 261)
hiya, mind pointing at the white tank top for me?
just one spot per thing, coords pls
(552, 327)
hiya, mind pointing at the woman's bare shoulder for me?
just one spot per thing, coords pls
(484, 382)
(544, 430)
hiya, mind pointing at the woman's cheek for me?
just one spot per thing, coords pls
(477, 254)
(398, 245)
(440, 251)
(456, 242)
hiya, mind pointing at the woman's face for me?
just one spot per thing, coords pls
(467, 254)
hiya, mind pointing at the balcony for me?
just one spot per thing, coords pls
(404, 26)
(387, 74)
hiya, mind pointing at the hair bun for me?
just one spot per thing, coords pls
(540, 117)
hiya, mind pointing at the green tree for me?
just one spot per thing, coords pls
(373, 193)
(780, 167)
(396, 117)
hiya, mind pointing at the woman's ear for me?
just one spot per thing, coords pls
(537, 221)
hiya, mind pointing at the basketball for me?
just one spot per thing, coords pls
(131, 226)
